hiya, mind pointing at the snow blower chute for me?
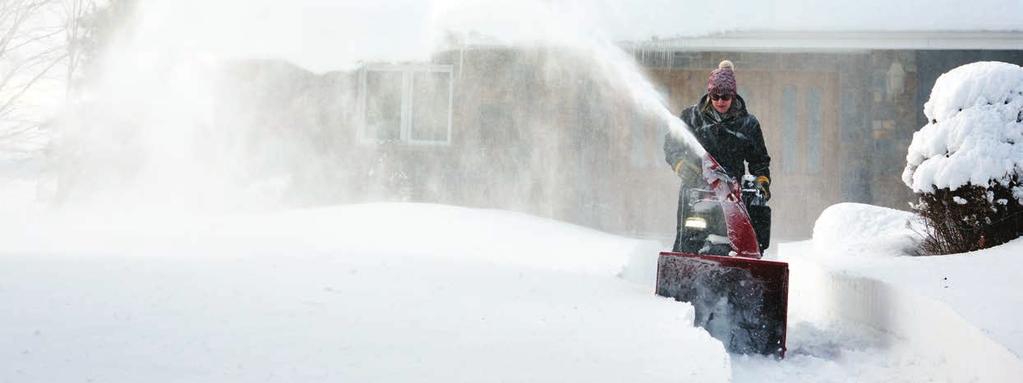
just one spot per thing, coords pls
(739, 299)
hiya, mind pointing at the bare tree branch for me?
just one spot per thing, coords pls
(36, 38)
(28, 85)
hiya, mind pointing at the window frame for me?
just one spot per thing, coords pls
(407, 125)
(792, 151)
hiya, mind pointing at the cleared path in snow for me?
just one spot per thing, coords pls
(845, 327)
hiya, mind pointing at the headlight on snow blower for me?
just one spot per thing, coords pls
(696, 223)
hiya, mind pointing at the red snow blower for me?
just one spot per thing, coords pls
(739, 299)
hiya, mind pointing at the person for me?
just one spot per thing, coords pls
(728, 132)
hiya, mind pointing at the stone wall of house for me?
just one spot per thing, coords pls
(535, 130)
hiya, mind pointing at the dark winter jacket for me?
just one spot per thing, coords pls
(731, 138)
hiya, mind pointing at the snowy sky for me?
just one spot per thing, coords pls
(325, 35)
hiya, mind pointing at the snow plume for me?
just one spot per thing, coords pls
(975, 134)
(167, 121)
(138, 133)
(584, 27)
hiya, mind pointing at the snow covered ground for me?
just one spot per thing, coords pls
(413, 292)
(389, 292)
(953, 307)
(408, 292)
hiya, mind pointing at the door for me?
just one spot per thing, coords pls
(799, 116)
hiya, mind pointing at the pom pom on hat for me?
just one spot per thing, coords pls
(722, 80)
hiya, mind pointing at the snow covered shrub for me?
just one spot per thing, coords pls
(966, 164)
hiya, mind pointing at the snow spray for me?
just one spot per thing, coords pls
(151, 125)
(581, 26)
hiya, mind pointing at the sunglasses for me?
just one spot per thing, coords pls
(722, 97)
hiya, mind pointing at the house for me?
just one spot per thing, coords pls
(543, 130)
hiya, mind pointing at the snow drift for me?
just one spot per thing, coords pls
(379, 292)
(852, 227)
(857, 270)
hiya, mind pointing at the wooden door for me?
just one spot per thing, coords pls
(799, 116)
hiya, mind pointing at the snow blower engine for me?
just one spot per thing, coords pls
(738, 298)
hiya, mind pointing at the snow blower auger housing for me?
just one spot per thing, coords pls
(738, 298)
(742, 302)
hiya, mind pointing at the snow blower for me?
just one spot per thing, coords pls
(739, 299)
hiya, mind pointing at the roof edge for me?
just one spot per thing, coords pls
(838, 40)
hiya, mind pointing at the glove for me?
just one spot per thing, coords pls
(682, 168)
(763, 184)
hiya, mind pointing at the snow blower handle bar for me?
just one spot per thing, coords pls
(751, 193)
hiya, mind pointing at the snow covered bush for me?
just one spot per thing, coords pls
(966, 163)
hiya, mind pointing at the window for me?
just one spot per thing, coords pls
(383, 105)
(790, 130)
(407, 103)
(814, 131)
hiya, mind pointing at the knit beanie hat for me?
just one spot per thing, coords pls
(722, 80)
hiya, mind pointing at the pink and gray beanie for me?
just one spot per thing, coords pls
(722, 80)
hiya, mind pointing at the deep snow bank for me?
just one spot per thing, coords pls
(957, 307)
(865, 230)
